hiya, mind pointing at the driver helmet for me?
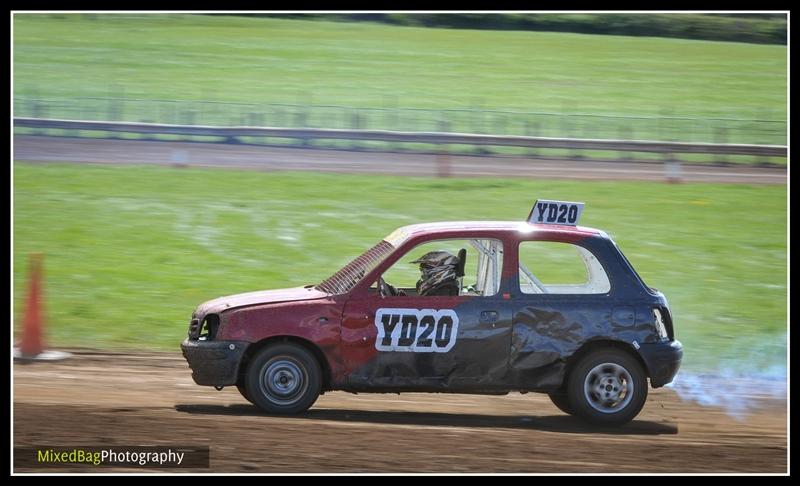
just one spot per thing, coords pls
(437, 267)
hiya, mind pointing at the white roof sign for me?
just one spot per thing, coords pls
(556, 212)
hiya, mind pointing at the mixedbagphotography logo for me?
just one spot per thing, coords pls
(107, 456)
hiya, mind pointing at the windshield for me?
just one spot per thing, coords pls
(345, 279)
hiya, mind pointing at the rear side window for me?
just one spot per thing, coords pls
(547, 267)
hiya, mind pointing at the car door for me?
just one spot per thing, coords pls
(427, 343)
(556, 309)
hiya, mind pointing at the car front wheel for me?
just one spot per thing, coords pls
(607, 387)
(284, 378)
(243, 390)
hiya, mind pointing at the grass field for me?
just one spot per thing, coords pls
(130, 251)
(370, 65)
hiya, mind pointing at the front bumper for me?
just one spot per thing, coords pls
(214, 363)
(663, 360)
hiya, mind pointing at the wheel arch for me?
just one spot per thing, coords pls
(600, 344)
(256, 348)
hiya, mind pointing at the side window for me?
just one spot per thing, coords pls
(547, 267)
(435, 268)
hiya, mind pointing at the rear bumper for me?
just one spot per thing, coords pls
(662, 360)
(214, 363)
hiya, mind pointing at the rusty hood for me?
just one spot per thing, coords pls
(260, 297)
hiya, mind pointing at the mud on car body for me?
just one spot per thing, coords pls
(591, 344)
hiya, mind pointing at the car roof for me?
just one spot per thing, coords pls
(455, 227)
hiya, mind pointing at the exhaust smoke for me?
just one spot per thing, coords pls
(740, 383)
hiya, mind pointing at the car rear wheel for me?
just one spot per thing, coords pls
(607, 387)
(283, 378)
(561, 400)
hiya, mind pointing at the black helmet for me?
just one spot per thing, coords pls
(438, 268)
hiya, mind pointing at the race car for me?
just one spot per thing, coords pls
(475, 307)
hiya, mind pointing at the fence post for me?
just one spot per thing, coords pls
(112, 111)
(33, 108)
(500, 128)
(763, 115)
(476, 112)
(625, 133)
(478, 118)
(763, 160)
(258, 120)
(394, 124)
(581, 131)
(532, 130)
(301, 120)
(355, 124)
(198, 111)
(663, 135)
(721, 136)
(672, 165)
(568, 133)
(233, 121)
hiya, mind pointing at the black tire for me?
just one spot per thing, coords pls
(283, 378)
(561, 400)
(243, 390)
(607, 387)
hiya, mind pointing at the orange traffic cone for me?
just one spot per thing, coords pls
(32, 346)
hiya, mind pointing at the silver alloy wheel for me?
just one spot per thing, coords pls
(283, 381)
(608, 388)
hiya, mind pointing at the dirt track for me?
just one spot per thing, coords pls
(128, 400)
(53, 149)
